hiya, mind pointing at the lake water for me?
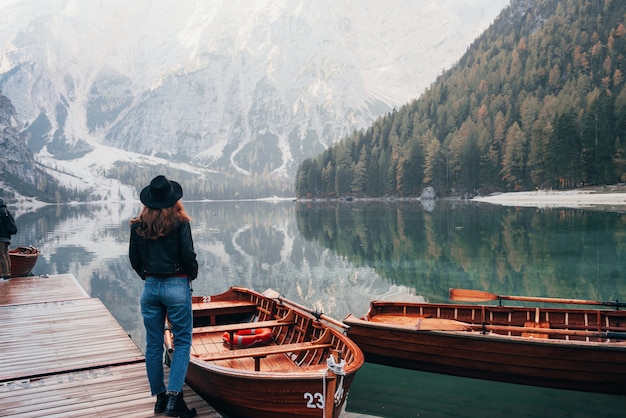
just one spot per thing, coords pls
(336, 257)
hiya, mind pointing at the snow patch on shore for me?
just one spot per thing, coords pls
(555, 199)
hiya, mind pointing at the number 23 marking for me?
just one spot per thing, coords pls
(314, 400)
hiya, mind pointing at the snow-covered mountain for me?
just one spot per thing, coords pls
(20, 175)
(238, 86)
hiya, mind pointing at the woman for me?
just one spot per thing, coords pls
(161, 252)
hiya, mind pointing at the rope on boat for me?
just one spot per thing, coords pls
(337, 369)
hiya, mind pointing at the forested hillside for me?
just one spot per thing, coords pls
(537, 101)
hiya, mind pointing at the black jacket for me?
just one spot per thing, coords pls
(170, 255)
(7, 225)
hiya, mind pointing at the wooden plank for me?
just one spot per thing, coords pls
(55, 337)
(62, 354)
(114, 391)
(289, 319)
(324, 341)
(36, 289)
(240, 326)
(212, 310)
(223, 307)
(264, 351)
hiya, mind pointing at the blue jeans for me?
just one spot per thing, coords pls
(172, 297)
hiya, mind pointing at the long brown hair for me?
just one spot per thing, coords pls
(155, 223)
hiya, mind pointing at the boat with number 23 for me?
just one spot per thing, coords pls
(567, 348)
(305, 369)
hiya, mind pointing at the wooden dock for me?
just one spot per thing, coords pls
(62, 354)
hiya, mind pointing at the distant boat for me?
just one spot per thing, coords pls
(565, 348)
(23, 260)
(305, 367)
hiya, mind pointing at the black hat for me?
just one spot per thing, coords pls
(161, 193)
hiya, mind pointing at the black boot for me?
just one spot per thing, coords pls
(161, 401)
(176, 406)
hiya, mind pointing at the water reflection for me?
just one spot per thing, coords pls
(251, 244)
(561, 253)
(336, 257)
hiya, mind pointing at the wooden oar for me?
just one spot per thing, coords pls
(272, 294)
(436, 324)
(467, 295)
(573, 332)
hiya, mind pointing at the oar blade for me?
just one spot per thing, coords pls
(271, 293)
(468, 295)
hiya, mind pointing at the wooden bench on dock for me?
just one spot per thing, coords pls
(257, 353)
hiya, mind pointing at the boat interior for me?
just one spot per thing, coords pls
(299, 342)
(548, 323)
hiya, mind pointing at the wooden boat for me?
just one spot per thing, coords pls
(305, 370)
(23, 260)
(568, 348)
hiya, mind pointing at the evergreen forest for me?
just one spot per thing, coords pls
(537, 101)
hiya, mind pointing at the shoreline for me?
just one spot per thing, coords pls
(601, 197)
(578, 198)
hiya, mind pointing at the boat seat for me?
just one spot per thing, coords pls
(213, 310)
(289, 319)
(325, 341)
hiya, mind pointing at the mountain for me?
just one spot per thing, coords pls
(20, 174)
(228, 95)
(537, 101)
